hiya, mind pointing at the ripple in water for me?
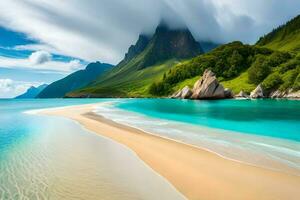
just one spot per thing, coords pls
(60, 160)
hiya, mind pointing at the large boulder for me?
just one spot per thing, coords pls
(208, 87)
(257, 92)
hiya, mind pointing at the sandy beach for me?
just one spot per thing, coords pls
(196, 173)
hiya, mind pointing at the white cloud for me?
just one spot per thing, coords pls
(10, 88)
(104, 29)
(40, 57)
(41, 60)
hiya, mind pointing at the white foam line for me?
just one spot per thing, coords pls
(198, 147)
(38, 111)
(94, 110)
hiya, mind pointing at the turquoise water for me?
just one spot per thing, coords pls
(274, 118)
(263, 133)
(44, 157)
(54, 158)
(15, 126)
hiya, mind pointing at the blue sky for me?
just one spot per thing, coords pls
(15, 73)
(42, 41)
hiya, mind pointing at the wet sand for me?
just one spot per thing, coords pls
(196, 173)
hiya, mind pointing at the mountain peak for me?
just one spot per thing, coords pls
(32, 92)
(136, 49)
(167, 43)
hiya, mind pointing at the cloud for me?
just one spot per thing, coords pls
(36, 47)
(41, 60)
(10, 88)
(40, 57)
(104, 29)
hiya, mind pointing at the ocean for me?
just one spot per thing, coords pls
(44, 157)
(263, 133)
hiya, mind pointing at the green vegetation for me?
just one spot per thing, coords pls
(272, 81)
(128, 82)
(284, 38)
(238, 67)
(155, 67)
(259, 70)
(145, 63)
(239, 83)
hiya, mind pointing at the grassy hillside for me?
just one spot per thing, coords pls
(145, 63)
(284, 38)
(126, 82)
(238, 67)
(158, 66)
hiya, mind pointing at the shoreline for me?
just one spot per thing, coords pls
(193, 171)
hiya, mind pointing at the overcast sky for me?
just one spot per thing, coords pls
(60, 36)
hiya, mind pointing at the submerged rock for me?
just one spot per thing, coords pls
(208, 87)
(257, 93)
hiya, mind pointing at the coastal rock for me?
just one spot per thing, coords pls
(257, 93)
(277, 94)
(242, 94)
(293, 95)
(185, 93)
(208, 87)
(228, 93)
(176, 95)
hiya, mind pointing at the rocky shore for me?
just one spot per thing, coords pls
(208, 87)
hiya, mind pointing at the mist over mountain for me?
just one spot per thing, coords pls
(145, 61)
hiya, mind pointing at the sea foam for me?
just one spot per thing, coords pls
(272, 153)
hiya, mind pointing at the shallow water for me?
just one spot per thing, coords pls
(274, 118)
(54, 158)
(235, 129)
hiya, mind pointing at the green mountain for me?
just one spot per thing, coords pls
(145, 62)
(285, 37)
(74, 81)
(207, 46)
(32, 92)
(238, 67)
(274, 62)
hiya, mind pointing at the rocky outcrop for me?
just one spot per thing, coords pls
(176, 95)
(257, 93)
(289, 94)
(228, 93)
(185, 93)
(242, 94)
(293, 95)
(208, 87)
(277, 94)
